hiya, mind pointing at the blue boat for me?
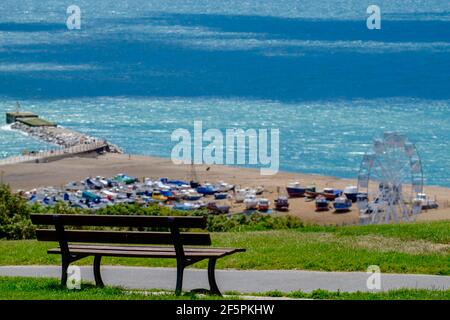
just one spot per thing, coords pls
(91, 197)
(294, 190)
(331, 194)
(220, 195)
(206, 189)
(174, 182)
(167, 193)
(321, 203)
(342, 204)
(351, 192)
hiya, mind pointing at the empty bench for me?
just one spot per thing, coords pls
(77, 242)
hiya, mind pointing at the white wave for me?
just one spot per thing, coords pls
(27, 67)
(7, 127)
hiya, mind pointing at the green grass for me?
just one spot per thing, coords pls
(400, 294)
(403, 248)
(20, 288)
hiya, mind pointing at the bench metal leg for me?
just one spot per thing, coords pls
(214, 289)
(180, 271)
(97, 274)
(64, 267)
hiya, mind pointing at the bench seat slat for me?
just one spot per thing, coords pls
(148, 248)
(149, 253)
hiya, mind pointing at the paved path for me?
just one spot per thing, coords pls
(238, 280)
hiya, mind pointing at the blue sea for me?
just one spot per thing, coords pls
(137, 70)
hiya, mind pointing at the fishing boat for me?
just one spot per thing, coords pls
(263, 204)
(220, 195)
(342, 204)
(282, 203)
(192, 195)
(91, 197)
(294, 190)
(331, 193)
(240, 194)
(156, 195)
(166, 192)
(174, 182)
(109, 195)
(259, 190)
(186, 206)
(223, 187)
(321, 203)
(425, 202)
(93, 184)
(213, 207)
(250, 201)
(351, 192)
(310, 191)
(122, 178)
(206, 189)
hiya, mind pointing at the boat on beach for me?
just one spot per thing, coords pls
(206, 189)
(215, 208)
(251, 202)
(322, 203)
(263, 204)
(425, 202)
(342, 204)
(331, 193)
(220, 195)
(295, 190)
(351, 192)
(282, 203)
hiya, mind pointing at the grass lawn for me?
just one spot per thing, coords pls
(401, 248)
(401, 294)
(19, 288)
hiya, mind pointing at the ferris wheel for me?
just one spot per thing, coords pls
(389, 180)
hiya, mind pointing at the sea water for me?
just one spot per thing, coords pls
(136, 71)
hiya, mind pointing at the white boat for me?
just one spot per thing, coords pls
(223, 187)
(110, 195)
(425, 201)
(251, 202)
(241, 194)
(351, 192)
(259, 190)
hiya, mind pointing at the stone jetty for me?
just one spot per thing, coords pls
(71, 143)
(62, 137)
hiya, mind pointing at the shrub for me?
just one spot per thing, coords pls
(14, 216)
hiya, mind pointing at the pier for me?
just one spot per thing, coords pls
(68, 143)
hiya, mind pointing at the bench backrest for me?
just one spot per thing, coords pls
(173, 236)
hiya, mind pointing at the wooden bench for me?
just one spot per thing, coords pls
(76, 243)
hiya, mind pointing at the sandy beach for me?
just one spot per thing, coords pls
(26, 176)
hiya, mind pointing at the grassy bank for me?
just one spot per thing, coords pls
(19, 288)
(406, 248)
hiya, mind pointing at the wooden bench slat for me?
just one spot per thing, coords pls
(148, 254)
(149, 248)
(119, 220)
(129, 237)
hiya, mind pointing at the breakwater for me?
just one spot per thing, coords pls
(68, 142)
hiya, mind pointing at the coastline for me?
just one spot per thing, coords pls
(26, 176)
